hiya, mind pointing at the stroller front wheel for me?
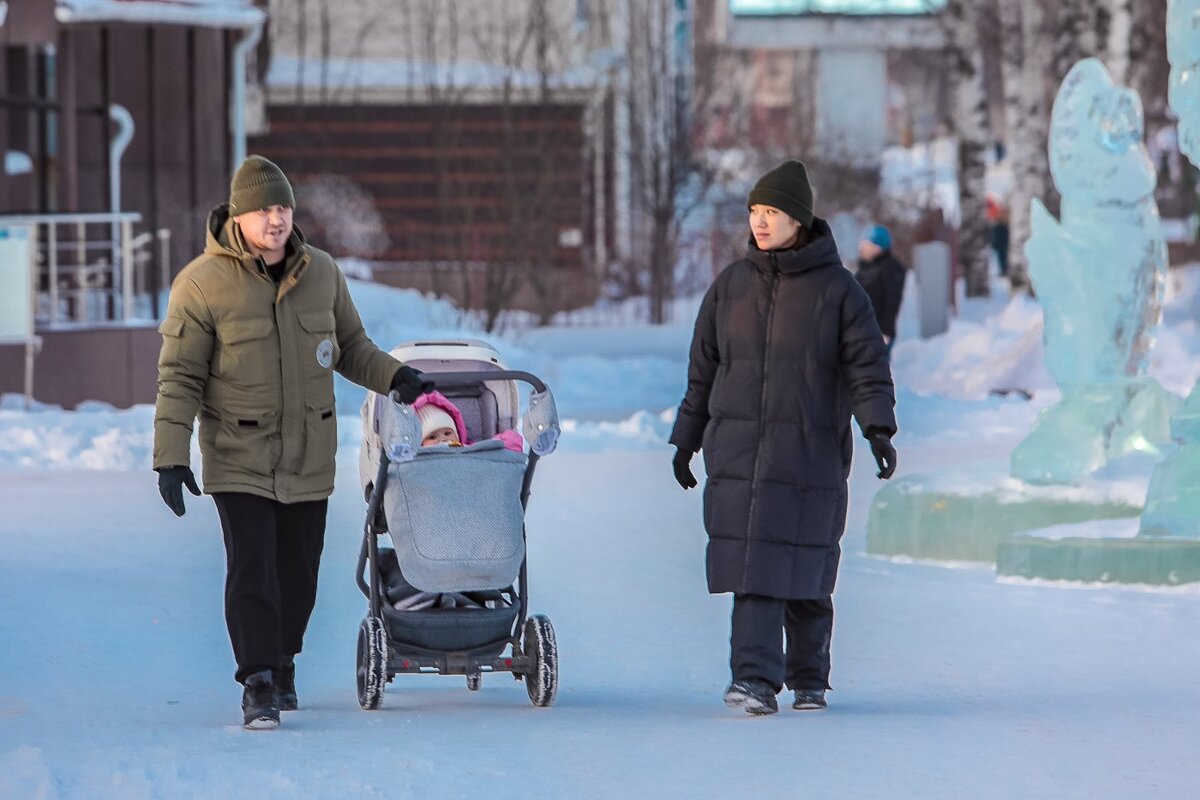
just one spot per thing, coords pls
(371, 671)
(541, 681)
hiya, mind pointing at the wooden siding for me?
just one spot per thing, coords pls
(474, 184)
(117, 365)
(174, 81)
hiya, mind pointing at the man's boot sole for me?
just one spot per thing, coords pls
(262, 723)
(751, 705)
(807, 707)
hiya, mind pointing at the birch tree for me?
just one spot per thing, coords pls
(961, 20)
(1024, 64)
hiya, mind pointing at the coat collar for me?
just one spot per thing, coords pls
(821, 251)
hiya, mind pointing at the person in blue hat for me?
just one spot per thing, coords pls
(881, 275)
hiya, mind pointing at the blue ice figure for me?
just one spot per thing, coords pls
(1100, 274)
(1183, 89)
(1173, 498)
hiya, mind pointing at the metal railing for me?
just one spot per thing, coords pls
(91, 268)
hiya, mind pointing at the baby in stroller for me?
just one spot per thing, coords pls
(442, 423)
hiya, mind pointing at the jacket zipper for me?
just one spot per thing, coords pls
(283, 393)
(762, 411)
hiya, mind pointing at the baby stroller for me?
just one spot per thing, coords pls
(455, 517)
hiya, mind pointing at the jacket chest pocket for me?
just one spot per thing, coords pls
(247, 351)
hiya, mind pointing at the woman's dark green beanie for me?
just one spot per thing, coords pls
(787, 188)
(258, 184)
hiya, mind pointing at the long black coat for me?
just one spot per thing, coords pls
(786, 346)
(883, 280)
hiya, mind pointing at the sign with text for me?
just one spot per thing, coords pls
(16, 287)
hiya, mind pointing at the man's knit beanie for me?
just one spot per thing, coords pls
(258, 184)
(787, 188)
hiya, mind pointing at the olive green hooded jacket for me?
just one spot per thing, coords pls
(255, 360)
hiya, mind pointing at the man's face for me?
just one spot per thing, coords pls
(867, 250)
(266, 230)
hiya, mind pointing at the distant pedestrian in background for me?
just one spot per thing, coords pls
(882, 277)
(786, 347)
(997, 217)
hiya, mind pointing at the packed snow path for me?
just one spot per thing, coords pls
(116, 674)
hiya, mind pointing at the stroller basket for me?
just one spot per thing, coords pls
(489, 622)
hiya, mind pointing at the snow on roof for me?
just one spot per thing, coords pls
(290, 71)
(203, 13)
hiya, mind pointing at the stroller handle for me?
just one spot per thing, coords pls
(481, 375)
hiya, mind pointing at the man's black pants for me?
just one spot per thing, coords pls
(272, 553)
(756, 648)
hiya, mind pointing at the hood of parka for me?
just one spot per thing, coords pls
(821, 251)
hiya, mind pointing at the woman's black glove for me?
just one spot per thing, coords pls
(171, 481)
(408, 384)
(683, 473)
(884, 452)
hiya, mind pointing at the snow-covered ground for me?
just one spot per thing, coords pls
(116, 673)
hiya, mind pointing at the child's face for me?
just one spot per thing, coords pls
(441, 436)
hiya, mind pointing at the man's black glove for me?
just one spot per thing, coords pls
(409, 384)
(171, 481)
(884, 452)
(683, 473)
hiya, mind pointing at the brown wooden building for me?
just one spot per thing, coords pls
(66, 64)
(462, 196)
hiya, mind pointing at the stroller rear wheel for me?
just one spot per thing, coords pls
(371, 672)
(542, 679)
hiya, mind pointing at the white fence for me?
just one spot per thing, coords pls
(91, 268)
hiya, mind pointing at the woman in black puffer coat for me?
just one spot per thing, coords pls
(786, 347)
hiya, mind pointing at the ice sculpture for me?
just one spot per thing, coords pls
(1183, 91)
(1100, 274)
(1173, 498)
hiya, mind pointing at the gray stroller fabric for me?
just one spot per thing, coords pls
(455, 516)
(540, 425)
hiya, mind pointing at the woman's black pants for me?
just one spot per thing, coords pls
(756, 647)
(272, 553)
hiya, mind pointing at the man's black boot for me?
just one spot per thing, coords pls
(285, 685)
(260, 707)
(755, 696)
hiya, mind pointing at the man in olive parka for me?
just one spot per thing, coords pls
(254, 329)
(786, 348)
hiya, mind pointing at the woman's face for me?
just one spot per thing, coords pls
(772, 229)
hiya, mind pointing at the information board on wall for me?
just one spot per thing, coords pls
(16, 288)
